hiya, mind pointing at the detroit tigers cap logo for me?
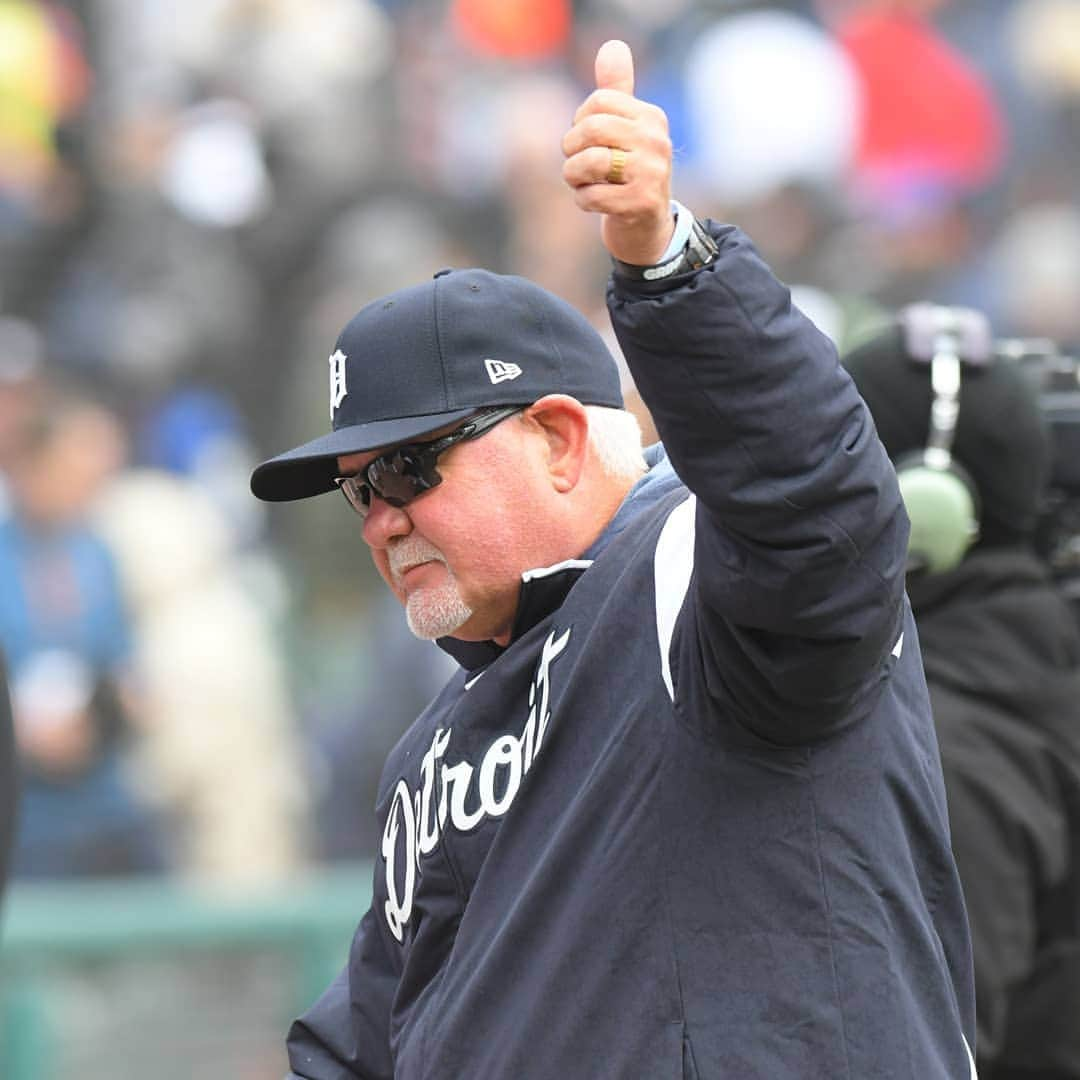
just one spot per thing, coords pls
(338, 389)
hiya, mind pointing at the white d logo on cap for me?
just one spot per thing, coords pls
(338, 389)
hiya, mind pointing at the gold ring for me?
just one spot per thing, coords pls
(615, 169)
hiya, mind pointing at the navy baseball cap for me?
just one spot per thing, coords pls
(431, 354)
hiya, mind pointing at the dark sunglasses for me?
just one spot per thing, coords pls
(406, 471)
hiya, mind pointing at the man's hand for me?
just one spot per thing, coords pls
(637, 222)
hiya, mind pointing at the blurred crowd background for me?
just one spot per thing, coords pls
(195, 197)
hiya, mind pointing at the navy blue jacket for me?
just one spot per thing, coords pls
(691, 822)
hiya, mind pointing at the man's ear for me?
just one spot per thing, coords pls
(564, 424)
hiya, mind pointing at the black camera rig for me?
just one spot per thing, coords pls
(1056, 378)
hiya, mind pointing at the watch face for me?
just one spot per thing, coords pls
(702, 245)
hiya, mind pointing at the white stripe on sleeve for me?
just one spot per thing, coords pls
(673, 565)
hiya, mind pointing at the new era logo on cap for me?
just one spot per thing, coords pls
(500, 371)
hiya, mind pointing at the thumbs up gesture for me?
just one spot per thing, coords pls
(618, 161)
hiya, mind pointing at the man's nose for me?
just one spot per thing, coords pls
(385, 523)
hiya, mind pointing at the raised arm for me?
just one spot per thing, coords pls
(798, 534)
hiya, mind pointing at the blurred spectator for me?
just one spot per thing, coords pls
(217, 752)
(1002, 656)
(775, 86)
(522, 29)
(1034, 271)
(44, 79)
(21, 355)
(939, 138)
(197, 432)
(8, 782)
(67, 638)
(1044, 43)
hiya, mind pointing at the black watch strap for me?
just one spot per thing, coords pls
(700, 250)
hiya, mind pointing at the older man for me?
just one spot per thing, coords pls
(681, 813)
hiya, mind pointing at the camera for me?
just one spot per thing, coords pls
(1056, 379)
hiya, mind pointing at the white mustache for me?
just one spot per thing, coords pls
(410, 552)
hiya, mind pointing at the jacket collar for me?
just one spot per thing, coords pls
(544, 589)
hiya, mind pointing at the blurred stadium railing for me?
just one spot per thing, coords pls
(134, 978)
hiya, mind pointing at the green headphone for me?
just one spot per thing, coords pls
(940, 497)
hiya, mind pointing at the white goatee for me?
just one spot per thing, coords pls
(431, 611)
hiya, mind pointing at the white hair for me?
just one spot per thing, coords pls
(615, 437)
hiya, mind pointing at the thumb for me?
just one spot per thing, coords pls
(615, 67)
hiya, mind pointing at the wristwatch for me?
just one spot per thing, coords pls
(699, 250)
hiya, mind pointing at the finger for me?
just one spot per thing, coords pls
(608, 103)
(616, 103)
(600, 130)
(615, 67)
(612, 199)
(593, 166)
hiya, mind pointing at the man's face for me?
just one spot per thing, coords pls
(455, 554)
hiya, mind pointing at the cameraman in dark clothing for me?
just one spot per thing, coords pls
(1002, 657)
